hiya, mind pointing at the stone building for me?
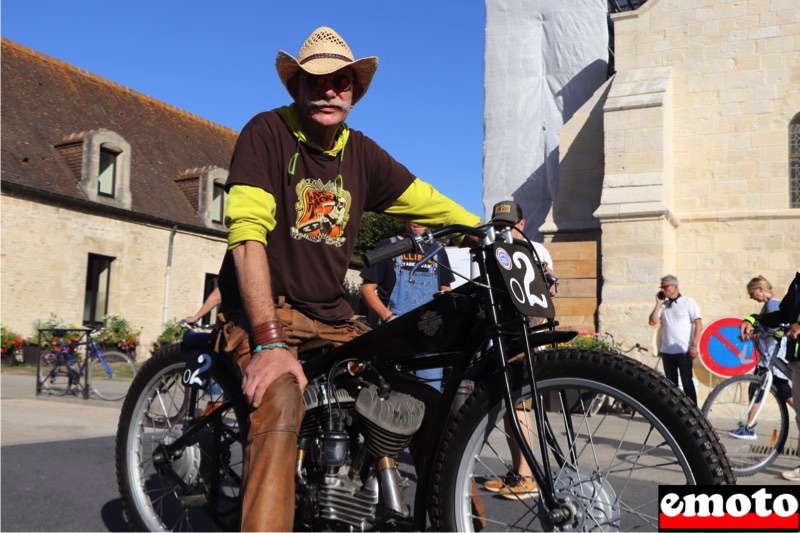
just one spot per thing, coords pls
(112, 201)
(687, 160)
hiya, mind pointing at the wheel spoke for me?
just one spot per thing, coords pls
(608, 459)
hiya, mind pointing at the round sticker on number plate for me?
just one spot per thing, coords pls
(524, 280)
(503, 258)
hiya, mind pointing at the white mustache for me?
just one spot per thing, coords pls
(343, 106)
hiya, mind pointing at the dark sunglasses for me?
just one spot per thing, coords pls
(340, 82)
(662, 287)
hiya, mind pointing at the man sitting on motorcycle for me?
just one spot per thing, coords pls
(296, 197)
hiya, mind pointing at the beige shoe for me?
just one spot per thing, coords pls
(494, 485)
(522, 490)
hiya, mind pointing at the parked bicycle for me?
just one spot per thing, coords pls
(69, 368)
(750, 413)
(363, 407)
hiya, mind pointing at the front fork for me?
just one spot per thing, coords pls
(541, 471)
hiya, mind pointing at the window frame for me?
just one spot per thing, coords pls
(107, 156)
(98, 267)
(217, 202)
(211, 282)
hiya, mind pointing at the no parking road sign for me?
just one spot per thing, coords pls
(721, 351)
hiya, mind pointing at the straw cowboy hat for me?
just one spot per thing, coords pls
(325, 52)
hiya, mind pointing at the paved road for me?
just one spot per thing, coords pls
(57, 461)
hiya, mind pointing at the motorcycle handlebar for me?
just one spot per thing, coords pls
(399, 247)
(402, 246)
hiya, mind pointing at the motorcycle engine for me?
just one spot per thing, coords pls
(344, 440)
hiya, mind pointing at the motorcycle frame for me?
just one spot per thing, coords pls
(475, 313)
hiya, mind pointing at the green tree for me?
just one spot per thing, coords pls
(374, 228)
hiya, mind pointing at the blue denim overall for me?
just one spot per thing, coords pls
(410, 294)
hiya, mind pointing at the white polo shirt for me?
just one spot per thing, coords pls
(677, 320)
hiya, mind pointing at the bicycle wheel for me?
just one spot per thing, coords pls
(198, 488)
(606, 468)
(110, 378)
(54, 375)
(727, 409)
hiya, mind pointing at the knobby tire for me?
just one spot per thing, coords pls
(200, 489)
(611, 468)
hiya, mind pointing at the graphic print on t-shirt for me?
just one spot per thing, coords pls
(322, 212)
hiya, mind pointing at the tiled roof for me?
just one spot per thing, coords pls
(46, 101)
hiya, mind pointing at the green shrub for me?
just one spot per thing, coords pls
(172, 332)
(592, 340)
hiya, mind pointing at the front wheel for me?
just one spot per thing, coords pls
(754, 433)
(606, 467)
(196, 486)
(111, 377)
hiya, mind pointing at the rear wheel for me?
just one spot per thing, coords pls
(728, 407)
(111, 377)
(54, 375)
(197, 487)
(606, 467)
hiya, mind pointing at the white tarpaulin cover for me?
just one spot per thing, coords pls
(544, 59)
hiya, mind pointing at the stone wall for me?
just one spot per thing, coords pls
(48, 279)
(695, 175)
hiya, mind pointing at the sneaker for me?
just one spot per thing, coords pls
(791, 475)
(521, 490)
(210, 408)
(745, 433)
(494, 485)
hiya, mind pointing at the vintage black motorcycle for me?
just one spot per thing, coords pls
(183, 424)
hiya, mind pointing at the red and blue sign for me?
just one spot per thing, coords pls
(721, 351)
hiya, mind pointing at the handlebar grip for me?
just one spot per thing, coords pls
(399, 247)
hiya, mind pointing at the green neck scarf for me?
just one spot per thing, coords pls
(290, 117)
(292, 121)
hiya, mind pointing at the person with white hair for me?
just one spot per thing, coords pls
(682, 327)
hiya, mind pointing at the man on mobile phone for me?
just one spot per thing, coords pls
(682, 326)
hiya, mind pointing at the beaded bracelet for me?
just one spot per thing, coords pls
(271, 346)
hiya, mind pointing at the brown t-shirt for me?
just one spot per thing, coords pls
(316, 221)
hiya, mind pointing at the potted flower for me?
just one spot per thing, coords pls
(173, 332)
(46, 336)
(118, 334)
(11, 347)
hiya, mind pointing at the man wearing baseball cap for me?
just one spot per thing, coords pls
(519, 484)
(300, 181)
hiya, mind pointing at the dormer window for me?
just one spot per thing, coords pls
(204, 187)
(106, 178)
(101, 160)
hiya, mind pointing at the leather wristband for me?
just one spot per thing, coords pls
(267, 333)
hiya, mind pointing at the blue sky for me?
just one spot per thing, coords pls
(216, 60)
